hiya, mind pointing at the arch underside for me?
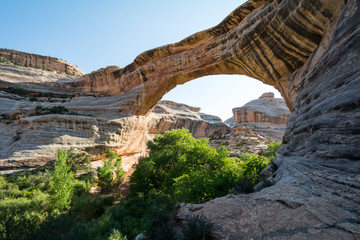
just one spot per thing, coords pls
(265, 40)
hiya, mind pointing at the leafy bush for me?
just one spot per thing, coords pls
(187, 168)
(272, 149)
(20, 218)
(116, 235)
(88, 207)
(63, 182)
(19, 64)
(252, 164)
(16, 90)
(4, 60)
(105, 175)
(77, 161)
(119, 172)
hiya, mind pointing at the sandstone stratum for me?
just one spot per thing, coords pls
(267, 115)
(39, 61)
(308, 50)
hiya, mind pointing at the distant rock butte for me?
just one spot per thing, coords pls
(265, 110)
(39, 61)
(267, 116)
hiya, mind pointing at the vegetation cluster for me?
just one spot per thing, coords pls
(56, 202)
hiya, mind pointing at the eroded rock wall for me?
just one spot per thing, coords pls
(39, 61)
(31, 134)
(266, 109)
(171, 115)
(316, 186)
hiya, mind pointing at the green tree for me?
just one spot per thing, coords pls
(187, 168)
(105, 175)
(77, 161)
(62, 183)
(119, 171)
(271, 150)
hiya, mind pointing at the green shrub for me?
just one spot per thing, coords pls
(21, 218)
(4, 60)
(187, 168)
(19, 64)
(116, 235)
(81, 187)
(87, 207)
(272, 149)
(16, 90)
(252, 164)
(54, 110)
(105, 175)
(62, 185)
(77, 161)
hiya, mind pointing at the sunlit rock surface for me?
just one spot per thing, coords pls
(38, 61)
(309, 51)
(267, 116)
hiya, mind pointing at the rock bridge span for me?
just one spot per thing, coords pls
(310, 52)
(265, 40)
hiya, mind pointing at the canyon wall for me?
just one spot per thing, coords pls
(315, 189)
(39, 61)
(31, 133)
(309, 51)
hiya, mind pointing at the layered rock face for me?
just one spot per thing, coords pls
(308, 50)
(39, 61)
(171, 115)
(316, 186)
(266, 109)
(31, 137)
(267, 115)
(266, 40)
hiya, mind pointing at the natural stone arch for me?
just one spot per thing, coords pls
(265, 40)
(309, 51)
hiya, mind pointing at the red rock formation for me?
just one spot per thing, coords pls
(266, 40)
(308, 50)
(39, 61)
(266, 109)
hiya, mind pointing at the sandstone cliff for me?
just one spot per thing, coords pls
(309, 51)
(170, 115)
(35, 123)
(267, 116)
(266, 109)
(39, 61)
(316, 185)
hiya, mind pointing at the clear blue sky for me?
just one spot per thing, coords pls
(93, 34)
